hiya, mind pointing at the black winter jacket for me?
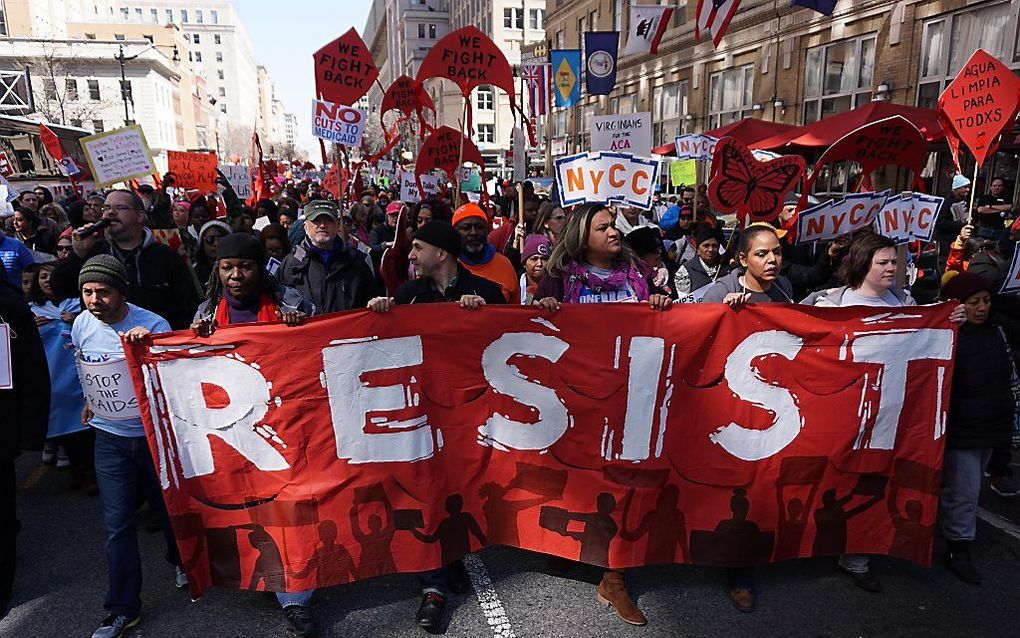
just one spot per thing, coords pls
(981, 403)
(345, 284)
(26, 407)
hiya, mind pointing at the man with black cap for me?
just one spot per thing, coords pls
(324, 268)
(124, 468)
(244, 292)
(441, 277)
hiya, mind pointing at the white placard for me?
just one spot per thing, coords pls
(909, 216)
(108, 389)
(118, 155)
(520, 152)
(337, 123)
(830, 219)
(385, 168)
(626, 133)
(606, 177)
(699, 146)
(409, 187)
(239, 177)
(6, 372)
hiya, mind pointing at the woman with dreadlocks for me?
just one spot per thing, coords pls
(242, 291)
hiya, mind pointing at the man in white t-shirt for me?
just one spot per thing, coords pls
(124, 467)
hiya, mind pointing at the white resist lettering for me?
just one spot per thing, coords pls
(499, 430)
(894, 351)
(351, 399)
(747, 383)
(642, 390)
(194, 421)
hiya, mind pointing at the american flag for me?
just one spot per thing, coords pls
(538, 78)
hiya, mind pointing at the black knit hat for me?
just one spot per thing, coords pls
(963, 286)
(104, 269)
(440, 234)
(644, 240)
(241, 246)
(705, 233)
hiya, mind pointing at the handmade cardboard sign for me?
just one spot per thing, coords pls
(193, 170)
(446, 149)
(344, 69)
(909, 216)
(605, 177)
(336, 123)
(683, 172)
(399, 437)
(627, 133)
(118, 155)
(830, 219)
(891, 141)
(239, 177)
(108, 389)
(978, 105)
(409, 187)
(754, 190)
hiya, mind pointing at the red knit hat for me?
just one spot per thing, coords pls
(469, 210)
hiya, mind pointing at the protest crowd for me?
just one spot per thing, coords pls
(86, 274)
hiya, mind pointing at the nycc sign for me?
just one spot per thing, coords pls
(606, 177)
(903, 218)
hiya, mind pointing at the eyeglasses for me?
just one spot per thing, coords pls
(117, 209)
(63, 249)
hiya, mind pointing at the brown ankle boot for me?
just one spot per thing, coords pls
(612, 592)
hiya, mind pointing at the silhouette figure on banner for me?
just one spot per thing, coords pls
(831, 517)
(268, 568)
(735, 541)
(796, 472)
(453, 532)
(912, 539)
(501, 513)
(664, 526)
(376, 557)
(330, 559)
(599, 528)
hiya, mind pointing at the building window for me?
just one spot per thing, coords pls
(421, 30)
(149, 38)
(71, 89)
(223, 108)
(90, 36)
(97, 126)
(3, 20)
(618, 15)
(559, 39)
(215, 16)
(219, 74)
(219, 56)
(184, 15)
(198, 16)
(536, 18)
(729, 95)
(126, 92)
(581, 28)
(484, 98)
(217, 39)
(486, 134)
(169, 15)
(432, 32)
(948, 42)
(838, 77)
(198, 56)
(196, 39)
(223, 92)
(138, 14)
(94, 89)
(125, 13)
(593, 20)
(154, 15)
(118, 36)
(560, 123)
(669, 108)
(50, 89)
(76, 123)
(513, 18)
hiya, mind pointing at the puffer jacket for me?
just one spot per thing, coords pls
(981, 403)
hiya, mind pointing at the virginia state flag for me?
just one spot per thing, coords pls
(566, 68)
(600, 49)
(821, 6)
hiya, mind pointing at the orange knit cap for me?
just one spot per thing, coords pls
(469, 210)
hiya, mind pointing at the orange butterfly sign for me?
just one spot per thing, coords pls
(752, 189)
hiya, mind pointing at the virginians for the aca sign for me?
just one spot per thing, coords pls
(360, 444)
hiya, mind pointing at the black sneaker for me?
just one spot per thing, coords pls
(865, 580)
(962, 566)
(115, 626)
(430, 612)
(1004, 486)
(300, 622)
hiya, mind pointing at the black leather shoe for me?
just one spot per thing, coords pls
(865, 580)
(300, 622)
(430, 612)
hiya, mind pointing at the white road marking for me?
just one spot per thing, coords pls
(488, 599)
(998, 522)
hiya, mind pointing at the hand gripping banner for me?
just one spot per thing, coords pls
(361, 444)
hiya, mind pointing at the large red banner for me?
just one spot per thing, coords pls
(360, 444)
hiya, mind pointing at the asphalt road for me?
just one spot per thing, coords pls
(62, 578)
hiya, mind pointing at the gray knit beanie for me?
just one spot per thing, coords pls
(104, 269)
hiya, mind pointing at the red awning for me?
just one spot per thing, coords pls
(829, 130)
(747, 130)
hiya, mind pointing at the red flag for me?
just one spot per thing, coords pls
(51, 142)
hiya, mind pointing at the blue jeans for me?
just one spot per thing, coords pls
(300, 598)
(123, 469)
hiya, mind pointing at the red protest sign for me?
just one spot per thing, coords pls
(344, 69)
(891, 141)
(407, 96)
(978, 105)
(331, 182)
(6, 169)
(442, 150)
(752, 189)
(418, 422)
(193, 170)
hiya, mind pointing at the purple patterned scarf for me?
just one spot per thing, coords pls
(578, 277)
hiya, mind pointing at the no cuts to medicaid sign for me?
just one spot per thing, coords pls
(335, 123)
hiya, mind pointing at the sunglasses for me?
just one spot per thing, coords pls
(63, 249)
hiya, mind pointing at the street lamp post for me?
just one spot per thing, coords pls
(120, 57)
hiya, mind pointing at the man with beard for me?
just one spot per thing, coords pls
(479, 256)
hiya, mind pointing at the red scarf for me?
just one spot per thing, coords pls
(267, 311)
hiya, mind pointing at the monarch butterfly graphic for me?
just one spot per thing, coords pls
(752, 189)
